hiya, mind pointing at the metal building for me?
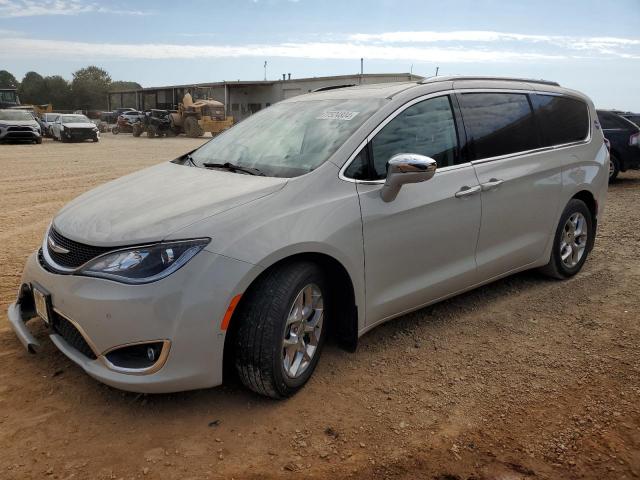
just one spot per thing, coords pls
(242, 98)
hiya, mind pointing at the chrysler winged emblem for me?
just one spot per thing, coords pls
(55, 247)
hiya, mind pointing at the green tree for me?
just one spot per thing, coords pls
(32, 89)
(7, 80)
(89, 87)
(58, 92)
(120, 85)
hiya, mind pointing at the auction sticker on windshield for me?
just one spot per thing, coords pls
(337, 115)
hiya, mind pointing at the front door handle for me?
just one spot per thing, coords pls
(467, 191)
(491, 184)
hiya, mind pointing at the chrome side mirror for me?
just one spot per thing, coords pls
(406, 168)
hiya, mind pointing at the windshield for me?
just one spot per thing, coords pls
(15, 115)
(48, 117)
(288, 139)
(74, 119)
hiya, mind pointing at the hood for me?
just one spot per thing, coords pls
(19, 123)
(79, 125)
(148, 205)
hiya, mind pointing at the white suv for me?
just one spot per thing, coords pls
(326, 214)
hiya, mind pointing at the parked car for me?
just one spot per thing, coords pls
(248, 251)
(71, 126)
(624, 137)
(19, 126)
(632, 117)
(112, 117)
(45, 121)
(126, 120)
(156, 123)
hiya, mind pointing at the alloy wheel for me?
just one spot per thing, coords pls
(574, 240)
(303, 330)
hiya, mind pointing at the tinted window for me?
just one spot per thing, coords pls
(358, 169)
(633, 118)
(561, 119)
(426, 128)
(498, 124)
(611, 121)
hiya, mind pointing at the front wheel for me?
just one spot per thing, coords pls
(573, 241)
(281, 330)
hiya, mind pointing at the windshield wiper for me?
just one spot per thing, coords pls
(190, 159)
(233, 168)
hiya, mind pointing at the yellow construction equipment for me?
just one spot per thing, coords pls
(194, 118)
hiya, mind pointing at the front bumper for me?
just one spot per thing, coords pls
(80, 133)
(185, 309)
(19, 134)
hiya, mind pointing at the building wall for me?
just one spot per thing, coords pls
(243, 99)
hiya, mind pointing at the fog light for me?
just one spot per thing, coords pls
(141, 356)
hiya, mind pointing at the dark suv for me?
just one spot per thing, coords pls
(624, 137)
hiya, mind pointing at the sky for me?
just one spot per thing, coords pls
(591, 46)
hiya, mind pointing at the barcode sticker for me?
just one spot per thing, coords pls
(337, 115)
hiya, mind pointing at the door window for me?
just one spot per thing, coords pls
(498, 124)
(426, 128)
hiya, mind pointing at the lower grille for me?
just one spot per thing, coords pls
(72, 336)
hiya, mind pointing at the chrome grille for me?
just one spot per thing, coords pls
(78, 255)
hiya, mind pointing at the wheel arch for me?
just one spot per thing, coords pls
(590, 200)
(343, 328)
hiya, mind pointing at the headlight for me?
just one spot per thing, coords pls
(144, 264)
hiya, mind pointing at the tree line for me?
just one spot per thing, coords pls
(87, 89)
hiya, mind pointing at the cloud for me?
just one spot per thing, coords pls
(32, 8)
(23, 47)
(614, 46)
(432, 47)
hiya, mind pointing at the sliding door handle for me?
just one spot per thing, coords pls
(491, 184)
(467, 191)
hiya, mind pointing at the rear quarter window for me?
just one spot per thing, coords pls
(561, 119)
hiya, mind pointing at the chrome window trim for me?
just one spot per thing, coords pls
(400, 109)
(380, 126)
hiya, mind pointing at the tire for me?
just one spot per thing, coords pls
(563, 269)
(137, 130)
(64, 139)
(38, 141)
(263, 327)
(614, 168)
(96, 140)
(115, 130)
(151, 131)
(192, 128)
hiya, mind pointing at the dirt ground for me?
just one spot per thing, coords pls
(526, 378)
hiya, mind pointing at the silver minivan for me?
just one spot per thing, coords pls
(321, 216)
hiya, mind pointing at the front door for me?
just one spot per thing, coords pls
(420, 246)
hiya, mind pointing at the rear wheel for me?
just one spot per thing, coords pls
(115, 130)
(573, 241)
(281, 330)
(614, 168)
(137, 130)
(192, 128)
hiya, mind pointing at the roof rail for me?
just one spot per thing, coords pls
(506, 79)
(333, 87)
